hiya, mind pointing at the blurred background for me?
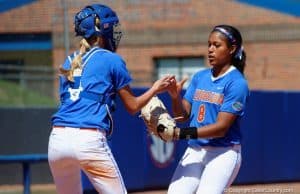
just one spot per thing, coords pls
(160, 36)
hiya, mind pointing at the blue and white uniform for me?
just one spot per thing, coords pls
(208, 96)
(78, 139)
(209, 165)
(83, 102)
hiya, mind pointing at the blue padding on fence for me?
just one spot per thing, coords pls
(25, 41)
(23, 158)
(269, 146)
(17, 46)
(270, 141)
(6, 5)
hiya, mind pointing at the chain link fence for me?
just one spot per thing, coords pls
(36, 78)
(42, 78)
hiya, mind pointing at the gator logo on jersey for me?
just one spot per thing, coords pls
(208, 96)
(237, 106)
(161, 153)
(74, 93)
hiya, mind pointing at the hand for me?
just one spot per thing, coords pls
(168, 133)
(151, 128)
(175, 87)
(163, 83)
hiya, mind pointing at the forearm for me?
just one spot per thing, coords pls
(211, 131)
(208, 131)
(135, 104)
(143, 99)
(178, 109)
(132, 103)
(214, 130)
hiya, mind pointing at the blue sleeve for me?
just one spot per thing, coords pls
(62, 79)
(120, 74)
(190, 91)
(235, 97)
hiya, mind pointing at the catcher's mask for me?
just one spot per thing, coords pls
(109, 27)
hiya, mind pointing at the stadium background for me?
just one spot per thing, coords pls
(159, 36)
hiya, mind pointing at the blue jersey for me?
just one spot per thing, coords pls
(84, 102)
(208, 96)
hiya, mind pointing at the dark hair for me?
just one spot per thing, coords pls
(234, 37)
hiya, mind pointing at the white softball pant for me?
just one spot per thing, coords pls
(206, 170)
(71, 150)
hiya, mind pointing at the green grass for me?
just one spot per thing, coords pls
(12, 95)
(32, 192)
(35, 189)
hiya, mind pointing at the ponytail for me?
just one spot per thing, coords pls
(85, 45)
(77, 61)
(240, 62)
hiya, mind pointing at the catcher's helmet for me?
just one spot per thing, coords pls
(109, 27)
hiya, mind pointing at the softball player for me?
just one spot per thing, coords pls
(214, 102)
(89, 81)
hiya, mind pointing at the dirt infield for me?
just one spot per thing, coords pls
(276, 188)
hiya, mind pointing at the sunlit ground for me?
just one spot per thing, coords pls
(276, 188)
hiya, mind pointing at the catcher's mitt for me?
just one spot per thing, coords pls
(158, 120)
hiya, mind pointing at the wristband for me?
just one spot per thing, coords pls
(188, 133)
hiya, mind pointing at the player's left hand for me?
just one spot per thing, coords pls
(175, 87)
(163, 83)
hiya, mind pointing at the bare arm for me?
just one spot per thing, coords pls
(219, 128)
(215, 130)
(180, 107)
(134, 104)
